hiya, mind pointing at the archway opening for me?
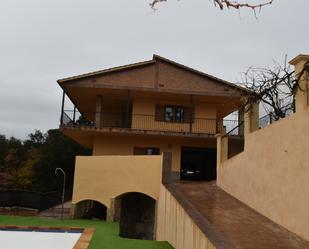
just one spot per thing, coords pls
(137, 216)
(90, 209)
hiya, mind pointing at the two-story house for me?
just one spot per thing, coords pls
(148, 108)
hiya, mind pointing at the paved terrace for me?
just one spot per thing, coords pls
(229, 222)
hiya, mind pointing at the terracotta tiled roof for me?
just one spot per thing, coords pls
(108, 70)
(199, 72)
(143, 63)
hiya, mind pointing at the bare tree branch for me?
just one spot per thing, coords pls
(227, 4)
(237, 5)
(274, 87)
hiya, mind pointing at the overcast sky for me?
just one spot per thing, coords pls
(45, 40)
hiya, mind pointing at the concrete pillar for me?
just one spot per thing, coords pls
(98, 111)
(114, 212)
(167, 168)
(73, 211)
(222, 148)
(302, 95)
(251, 119)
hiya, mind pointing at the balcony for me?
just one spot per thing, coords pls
(146, 124)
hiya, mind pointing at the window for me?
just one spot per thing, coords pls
(146, 151)
(174, 114)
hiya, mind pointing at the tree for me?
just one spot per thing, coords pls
(3, 150)
(35, 140)
(5, 181)
(58, 151)
(23, 177)
(274, 87)
(30, 164)
(227, 4)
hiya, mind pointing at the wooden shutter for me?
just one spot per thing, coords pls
(160, 113)
(139, 151)
(187, 114)
(193, 114)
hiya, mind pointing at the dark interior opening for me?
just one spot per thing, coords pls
(90, 209)
(137, 216)
(146, 151)
(198, 164)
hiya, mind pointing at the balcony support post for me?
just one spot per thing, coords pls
(74, 114)
(98, 111)
(128, 113)
(191, 112)
(62, 107)
(241, 115)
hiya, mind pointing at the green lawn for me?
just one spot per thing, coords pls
(105, 237)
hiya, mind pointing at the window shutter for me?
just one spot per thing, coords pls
(187, 114)
(193, 114)
(139, 151)
(159, 113)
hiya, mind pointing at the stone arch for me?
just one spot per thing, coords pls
(90, 209)
(137, 215)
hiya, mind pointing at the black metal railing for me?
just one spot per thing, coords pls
(237, 130)
(272, 117)
(148, 122)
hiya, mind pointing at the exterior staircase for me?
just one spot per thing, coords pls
(56, 211)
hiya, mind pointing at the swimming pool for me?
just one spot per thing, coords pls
(41, 238)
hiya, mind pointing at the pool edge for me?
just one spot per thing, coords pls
(82, 243)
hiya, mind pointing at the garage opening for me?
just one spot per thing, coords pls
(198, 164)
(137, 218)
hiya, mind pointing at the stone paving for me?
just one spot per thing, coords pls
(241, 226)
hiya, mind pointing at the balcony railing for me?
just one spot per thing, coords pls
(148, 123)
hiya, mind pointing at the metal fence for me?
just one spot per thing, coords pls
(272, 117)
(33, 200)
(149, 122)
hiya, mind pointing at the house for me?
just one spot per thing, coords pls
(145, 109)
(151, 107)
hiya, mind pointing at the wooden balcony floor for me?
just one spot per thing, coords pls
(128, 131)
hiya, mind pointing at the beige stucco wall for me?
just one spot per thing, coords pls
(123, 145)
(176, 226)
(101, 178)
(144, 116)
(272, 174)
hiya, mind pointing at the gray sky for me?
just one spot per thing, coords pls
(42, 41)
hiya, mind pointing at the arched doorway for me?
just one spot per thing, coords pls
(137, 216)
(90, 209)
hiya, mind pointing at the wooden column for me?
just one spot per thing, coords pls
(241, 113)
(74, 114)
(62, 107)
(98, 111)
(128, 111)
(191, 112)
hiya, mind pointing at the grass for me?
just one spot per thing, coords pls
(105, 237)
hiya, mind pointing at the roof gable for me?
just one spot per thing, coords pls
(159, 74)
